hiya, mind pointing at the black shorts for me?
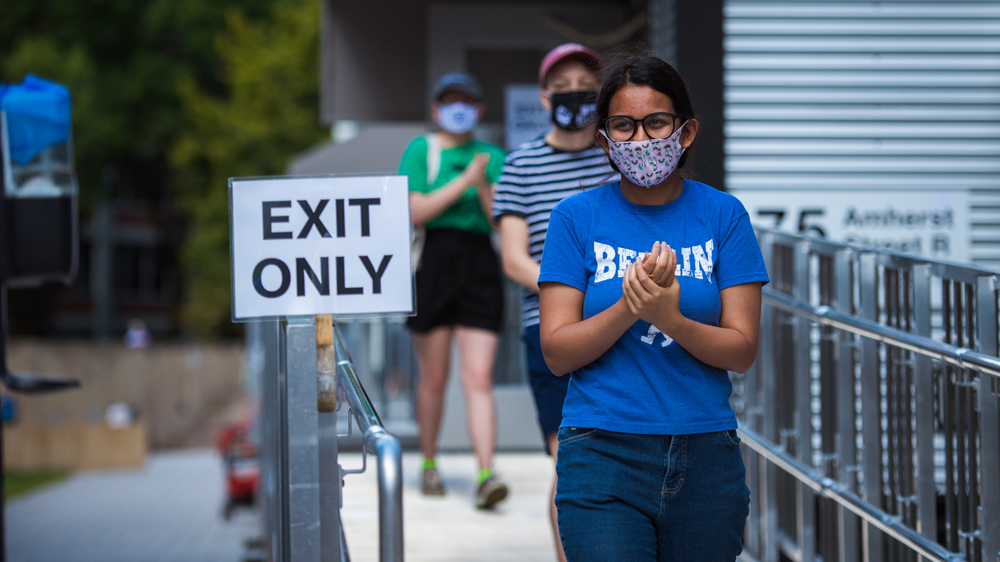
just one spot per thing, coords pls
(548, 390)
(458, 283)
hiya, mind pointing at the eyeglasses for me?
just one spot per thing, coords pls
(657, 126)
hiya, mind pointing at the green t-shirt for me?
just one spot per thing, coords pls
(466, 213)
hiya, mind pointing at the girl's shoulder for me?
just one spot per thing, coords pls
(528, 151)
(417, 147)
(714, 198)
(587, 201)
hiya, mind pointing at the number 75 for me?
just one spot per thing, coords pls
(804, 214)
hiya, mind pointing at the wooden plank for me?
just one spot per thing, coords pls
(74, 447)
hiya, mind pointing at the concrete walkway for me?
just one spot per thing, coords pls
(171, 511)
(168, 511)
(451, 529)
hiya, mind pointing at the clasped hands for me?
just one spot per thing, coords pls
(650, 289)
(474, 174)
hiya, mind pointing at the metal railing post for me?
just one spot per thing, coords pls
(847, 453)
(390, 493)
(871, 407)
(769, 424)
(923, 380)
(384, 446)
(329, 488)
(806, 519)
(989, 522)
(304, 514)
(273, 435)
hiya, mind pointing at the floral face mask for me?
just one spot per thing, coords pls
(647, 162)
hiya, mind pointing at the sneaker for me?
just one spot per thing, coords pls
(491, 491)
(431, 483)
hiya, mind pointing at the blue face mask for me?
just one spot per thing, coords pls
(458, 117)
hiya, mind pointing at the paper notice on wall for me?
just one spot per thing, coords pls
(525, 118)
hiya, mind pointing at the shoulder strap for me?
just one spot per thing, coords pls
(433, 157)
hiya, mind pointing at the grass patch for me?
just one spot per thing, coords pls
(18, 482)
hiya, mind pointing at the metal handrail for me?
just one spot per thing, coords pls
(962, 357)
(836, 491)
(867, 420)
(386, 449)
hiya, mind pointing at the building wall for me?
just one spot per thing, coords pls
(374, 61)
(841, 100)
(381, 57)
(176, 390)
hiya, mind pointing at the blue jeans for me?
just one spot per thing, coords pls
(630, 497)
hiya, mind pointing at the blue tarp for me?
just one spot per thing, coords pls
(38, 116)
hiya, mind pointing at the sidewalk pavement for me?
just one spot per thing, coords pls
(168, 511)
(451, 529)
(171, 511)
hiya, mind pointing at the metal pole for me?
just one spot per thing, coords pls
(272, 436)
(846, 415)
(303, 444)
(871, 408)
(923, 380)
(989, 440)
(385, 447)
(769, 485)
(329, 489)
(806, 520)
(390, 493)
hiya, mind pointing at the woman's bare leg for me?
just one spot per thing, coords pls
(433, 354)
(477, 350)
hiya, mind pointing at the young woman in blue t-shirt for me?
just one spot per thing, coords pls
(650, 293)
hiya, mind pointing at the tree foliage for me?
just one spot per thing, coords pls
(170, 99)
(270, 70)
(122, 61)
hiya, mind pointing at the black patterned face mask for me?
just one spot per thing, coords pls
(572, 111)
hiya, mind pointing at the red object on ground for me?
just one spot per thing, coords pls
(242, 466)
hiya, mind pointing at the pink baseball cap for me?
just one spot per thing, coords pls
(556, 55)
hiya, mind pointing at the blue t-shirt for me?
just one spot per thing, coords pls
(645, 383)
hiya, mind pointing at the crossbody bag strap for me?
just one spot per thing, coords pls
(433, 168)
(433, 157)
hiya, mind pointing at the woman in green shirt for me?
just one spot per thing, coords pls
(459, 286)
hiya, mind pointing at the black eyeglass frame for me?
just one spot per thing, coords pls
(674, 118)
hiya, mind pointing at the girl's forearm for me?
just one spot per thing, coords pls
(424, 207)
(485, 195)
(577, 344)
(724, 348)
(522, 270)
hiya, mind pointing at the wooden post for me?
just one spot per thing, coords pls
(326, 365)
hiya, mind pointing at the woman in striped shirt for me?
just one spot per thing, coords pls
(537, 175)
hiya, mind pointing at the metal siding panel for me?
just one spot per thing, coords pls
(919, 80)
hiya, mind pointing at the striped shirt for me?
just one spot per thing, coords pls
(535, 177)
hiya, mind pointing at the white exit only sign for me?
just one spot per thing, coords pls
(320, 245)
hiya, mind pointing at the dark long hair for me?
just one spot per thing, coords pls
(637, 65)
